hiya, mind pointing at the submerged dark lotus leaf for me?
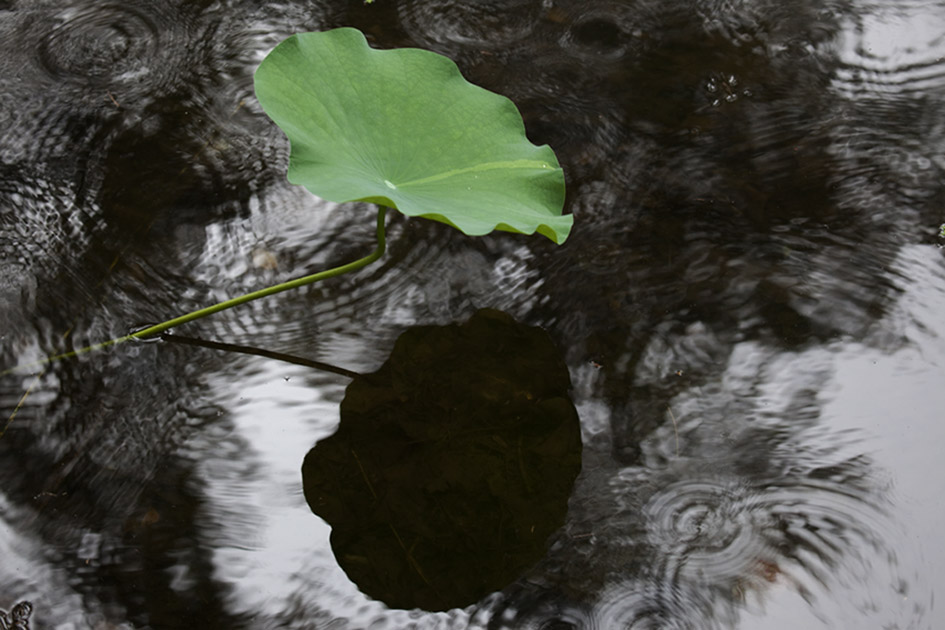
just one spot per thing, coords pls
(452, 464)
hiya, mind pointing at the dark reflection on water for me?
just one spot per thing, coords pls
(757, 188)
(452, 464)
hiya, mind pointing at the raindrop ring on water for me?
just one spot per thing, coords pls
(101, 44)
(635, 605)
(708, 528)
(483, 24)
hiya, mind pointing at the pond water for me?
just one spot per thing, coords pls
(750, 308)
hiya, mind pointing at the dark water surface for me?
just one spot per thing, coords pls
(751, 308)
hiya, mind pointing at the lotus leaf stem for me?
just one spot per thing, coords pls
(156, 330)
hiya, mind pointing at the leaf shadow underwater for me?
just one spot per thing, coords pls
(452, 465)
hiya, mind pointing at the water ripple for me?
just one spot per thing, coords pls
(711, 527)
(633, 605)
(895, 53)
(490, 24)
(113, 44)
(606, 32)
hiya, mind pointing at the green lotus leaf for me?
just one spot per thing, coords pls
(403, 128)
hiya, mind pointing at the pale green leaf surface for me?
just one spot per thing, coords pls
(404, 129)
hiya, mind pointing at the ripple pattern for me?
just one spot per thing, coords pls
(88, 45)
(711, 527)
(634, 605)
(485, 24)
(38, 223)
(113, 44)
(890, 57)
(607, 32)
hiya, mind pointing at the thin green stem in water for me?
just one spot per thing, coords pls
(257, 352)
(157, 329)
